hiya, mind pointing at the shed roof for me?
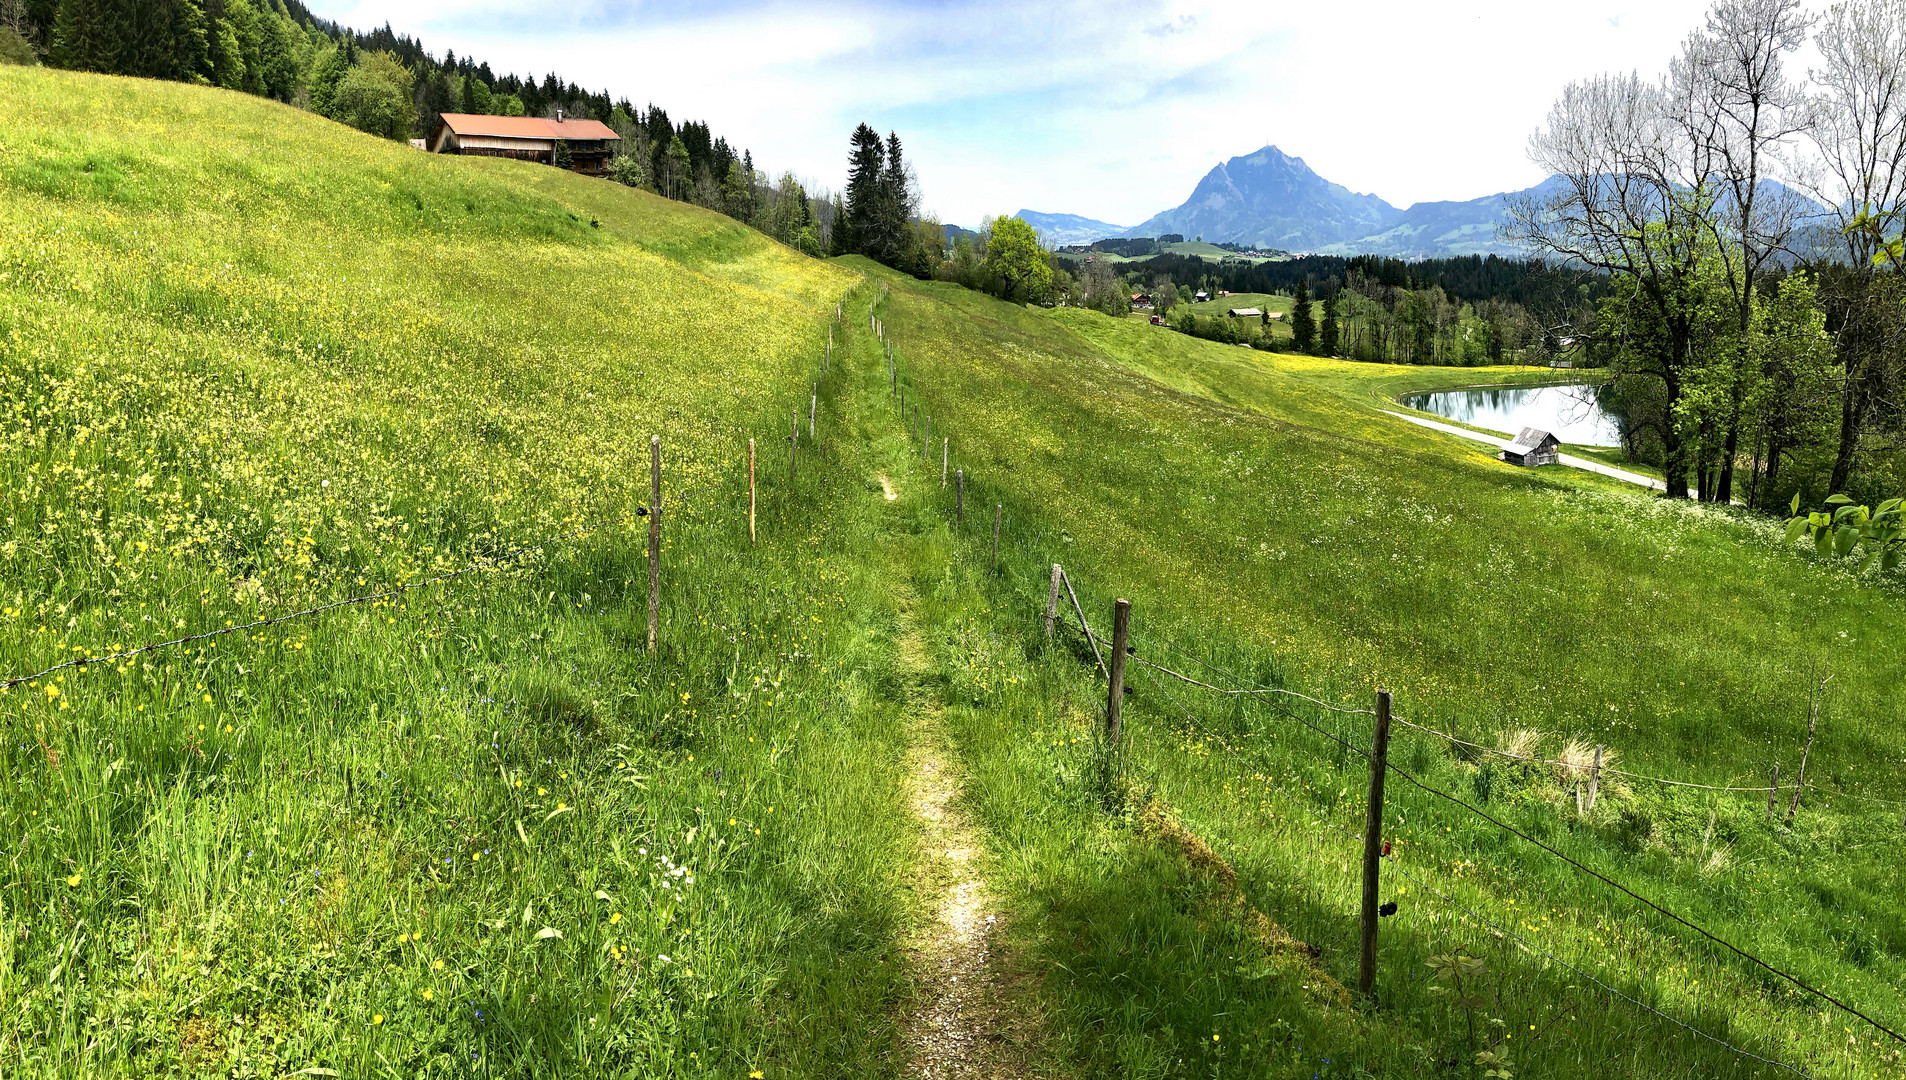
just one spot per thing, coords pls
(1246, 313)
(1531, 440)
(527, 127)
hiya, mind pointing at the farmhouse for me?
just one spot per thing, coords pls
(1141, 300)
(1246, 313)
(591, 143)
(1532, 447)
(1200, 296)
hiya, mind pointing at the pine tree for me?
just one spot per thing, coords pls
(561, 158)
(1303, 323)
(1327, 334)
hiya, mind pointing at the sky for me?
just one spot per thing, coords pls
(1111, 110)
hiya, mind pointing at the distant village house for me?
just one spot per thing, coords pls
(1246, 313)
(591, 143)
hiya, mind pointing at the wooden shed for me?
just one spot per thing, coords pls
(591, 143)
(1246, 313)
(1532, 447)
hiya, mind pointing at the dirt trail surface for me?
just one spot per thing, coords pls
(964, 1026)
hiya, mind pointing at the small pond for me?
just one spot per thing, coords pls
(1581, 414)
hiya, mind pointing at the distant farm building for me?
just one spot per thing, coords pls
(1532, 447)
(1141, 300)
(591, 143)
(1246, 313)
(1200, 296)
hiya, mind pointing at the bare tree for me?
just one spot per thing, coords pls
(1629, 194)
(1738, 113)
(1857, 124)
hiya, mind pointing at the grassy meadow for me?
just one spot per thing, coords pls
(255, 362)
(1265, 517)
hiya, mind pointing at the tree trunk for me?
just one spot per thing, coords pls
(1724, 489)
(1849, 430)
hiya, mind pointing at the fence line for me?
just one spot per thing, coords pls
(1459, 905)
(1605, 879)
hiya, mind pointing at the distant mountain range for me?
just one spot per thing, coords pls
(1270, 199)
(1061, 229)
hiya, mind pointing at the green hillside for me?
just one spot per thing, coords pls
(256, 363)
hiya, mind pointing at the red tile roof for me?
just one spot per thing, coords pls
(527, 127)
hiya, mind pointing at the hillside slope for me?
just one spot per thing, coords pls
(255, 362)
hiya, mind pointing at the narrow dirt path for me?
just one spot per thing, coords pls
(964, 1027)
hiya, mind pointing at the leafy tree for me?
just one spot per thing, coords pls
(15, 49)
(677, 176)
(627, 169)
(375, 97)
(1016, 261)
(1303, 323)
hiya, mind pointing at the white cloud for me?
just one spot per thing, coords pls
(1109, 110)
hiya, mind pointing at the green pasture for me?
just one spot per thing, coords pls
(1265, 518)
(254, 363)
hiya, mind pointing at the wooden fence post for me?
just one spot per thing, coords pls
(794, 439)
(1373, 846)
(1818, 692)
(943, 442)
(999, 511)
(1595, 778)
(655, 536)
(750, 491)
(1773, 790)
(926, 443)
(959, 497)
(1052, 601)
(813, 401)
(1115, 699)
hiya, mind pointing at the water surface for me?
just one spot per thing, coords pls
(1578, 414)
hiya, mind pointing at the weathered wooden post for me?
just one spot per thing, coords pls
(1813, 719)
(1052, 601)
(655, 536)
(794, 439)
(1115, 698)
(750, 491)
(999, 511)
(1373, 846)
(959, 497)
(926, 444)
(1595, 778)
(943, 444)
(813, 401)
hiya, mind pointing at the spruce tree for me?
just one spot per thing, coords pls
(865, 173)
(79, 40)
(1303, 323)
(1327, 333)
